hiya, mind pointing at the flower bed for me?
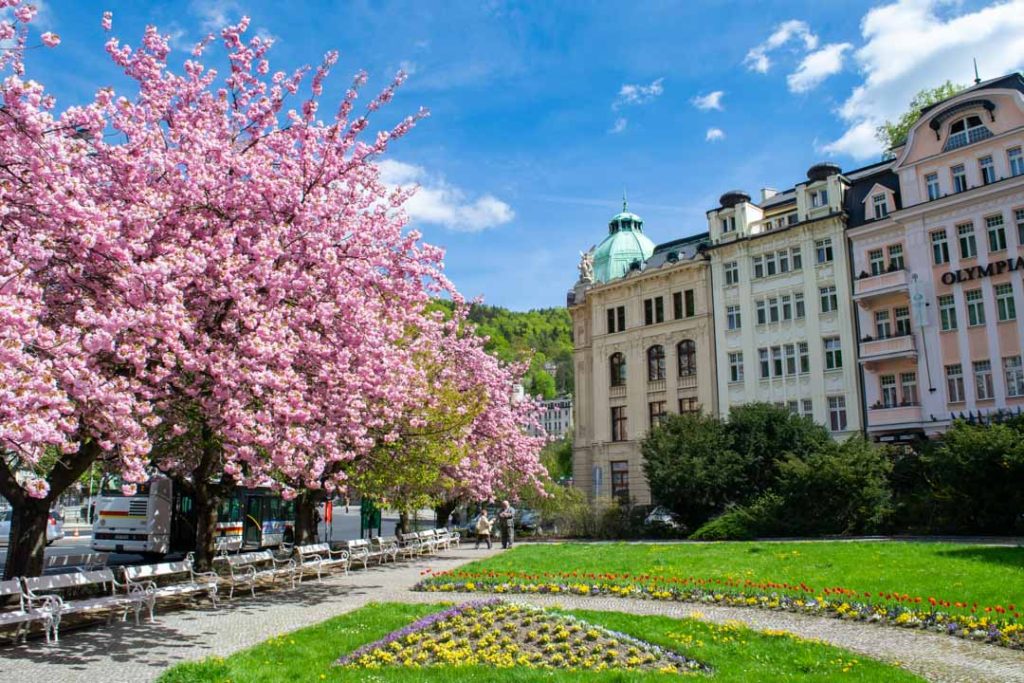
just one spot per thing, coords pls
(504, 635)
(993, 624)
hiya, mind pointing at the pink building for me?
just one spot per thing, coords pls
(936, 239)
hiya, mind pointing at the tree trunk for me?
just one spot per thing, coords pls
(28, 539)
(205, 505)
(305, 517)
(403, 522)
(443, 511)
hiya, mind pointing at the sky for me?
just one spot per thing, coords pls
(542, 114)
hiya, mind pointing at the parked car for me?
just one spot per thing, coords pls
(528, 520)
(54, 528)
(662, 515)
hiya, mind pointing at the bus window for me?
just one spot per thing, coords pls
(288, 509)
(275, 508)
(236, 509)
(111, 486)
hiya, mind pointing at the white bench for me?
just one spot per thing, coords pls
(319, 557)
(171, 580)
(79, 561)
(447, 538)
(386, 547)
(249, 569)
(411, 544)
(107, 599)
(431, 542)
(41, 608)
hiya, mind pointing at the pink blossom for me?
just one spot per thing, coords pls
(129, 489)
(107, 21)
(50, 39)
(37, 488)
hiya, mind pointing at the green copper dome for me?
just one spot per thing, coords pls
(625, 244)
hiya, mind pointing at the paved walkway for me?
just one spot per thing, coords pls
(125, 654)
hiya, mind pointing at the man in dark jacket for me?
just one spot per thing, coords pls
(506, 519)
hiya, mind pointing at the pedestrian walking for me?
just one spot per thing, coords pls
(506, 521)
(483, 529)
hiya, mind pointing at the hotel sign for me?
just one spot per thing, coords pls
(978, 272)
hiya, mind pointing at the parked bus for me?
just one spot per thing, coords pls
(161, 519)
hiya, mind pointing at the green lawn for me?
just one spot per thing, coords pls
(733, 651)
(986, 575)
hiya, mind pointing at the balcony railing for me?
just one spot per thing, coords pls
(883, 417)
(656, 385)
(967, 137)
(898, 346)
(868, 286)
(687, 381)
(617, 391)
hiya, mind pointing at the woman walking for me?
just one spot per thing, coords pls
(483, 529)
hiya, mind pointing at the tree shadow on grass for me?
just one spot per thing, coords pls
(1010, 557)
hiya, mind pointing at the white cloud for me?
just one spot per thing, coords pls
(216, 14)
(619, 125)
(817, 66)
(714, 135)
(713, 100)
(631, 93)
(757, 57)
(914, 44)
(436, 201)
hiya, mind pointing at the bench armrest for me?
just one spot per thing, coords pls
(290, 563)
(49, 603)
(341, 554)
(214, 576)
(245, 571)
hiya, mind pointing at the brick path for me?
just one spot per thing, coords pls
(122, 653)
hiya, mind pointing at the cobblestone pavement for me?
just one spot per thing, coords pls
(124, 653)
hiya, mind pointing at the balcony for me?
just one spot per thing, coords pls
(874, 350)
(655, 385)
(866, 288)
(617, 391)
(687, 381)
(887, 418)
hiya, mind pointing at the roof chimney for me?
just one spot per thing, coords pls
(767, 193)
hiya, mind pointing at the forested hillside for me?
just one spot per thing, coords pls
(515, 335)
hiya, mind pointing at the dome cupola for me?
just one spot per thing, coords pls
(625, 246)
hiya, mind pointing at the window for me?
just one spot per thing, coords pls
(833, 354)
(790, 351)
(764, 361)
(932, 181)
(758, 267)
(655, 363)
(762, 311)
(955, 383)
(896, 257)
(823, 250)
(966, 131)
(732, 317)
(1004, 302)
(1016, 160)
(689, 406)
(837, 413)
(729, 224)
(988, 171)
(654, 310)
(887, 384)
(908, 387)
(983, 380)
(881, 206)
(691, 304)
(819, 198)
(968, 245)
(807, 407)
(777, 367)
(1013, 368)
(619, 423)
(677, 305)
(876, 260)
(616, 319)
(975, 308)
(1018, 216)
(947, 312)
(996, 233)
(687, 352)
(805, 357)
(796, 258)
(769, 265)
(959, 178)
(617, 365)
(620, 480)
(940, 248)
(732, 273)
(773, 310)
(787, 307)
(793, 406)
(736, 367)
(883, 328)
(798, 302)
(902, 316)
(783, 259)
(829, 300)
(656, 411)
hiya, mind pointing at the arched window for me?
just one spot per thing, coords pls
(964, 124)
(687, 352)
(656, 362)
(617, 365)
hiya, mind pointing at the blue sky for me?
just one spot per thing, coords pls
(542, 113)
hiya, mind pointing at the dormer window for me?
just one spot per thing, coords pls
(729, 224)
(881, 205)
(966, 131)
(819, 198)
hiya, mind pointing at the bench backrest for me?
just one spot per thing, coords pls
(383, 540)
(45, 584)
(357, 544)
(84, 560)
(248, 558)
(10, 587)
(312, 549)
(152, 571)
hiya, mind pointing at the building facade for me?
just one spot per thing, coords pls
(556, 416)
(642, 333)
(937, 241)
(783, 312)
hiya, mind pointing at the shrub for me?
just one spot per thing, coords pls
(743, 523)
